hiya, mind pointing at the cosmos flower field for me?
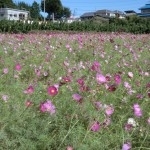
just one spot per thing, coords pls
(75, 91)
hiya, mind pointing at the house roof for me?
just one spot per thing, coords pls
(88, 14)
(129, 11)
(3, 9)
(147, 6)
(104, 10)
(118, 12)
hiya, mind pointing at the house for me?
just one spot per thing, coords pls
(119, 14)
(87, 15)
(13, 14)
(105, 13)
(145, 11)
(130, 12)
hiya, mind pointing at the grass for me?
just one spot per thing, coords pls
(47, 60)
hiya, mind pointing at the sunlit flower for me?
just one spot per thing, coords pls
(47, 107)
(95, 126)
(109, 110)
(127, 85)
(126, 146)
(132, 122)
(130, 74)
(100, 78)
(137, 110)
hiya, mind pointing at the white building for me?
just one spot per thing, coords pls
(13, 14)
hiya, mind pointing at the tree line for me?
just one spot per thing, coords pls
(51, 7)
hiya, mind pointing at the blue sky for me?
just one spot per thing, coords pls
(78, 7)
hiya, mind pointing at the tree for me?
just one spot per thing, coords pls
(51, 6)
(23, 5)
(66, 12)
(35, 10)
(7, 4)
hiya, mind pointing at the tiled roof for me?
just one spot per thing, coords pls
(147, 6)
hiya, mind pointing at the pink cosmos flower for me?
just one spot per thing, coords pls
(127, 85)
(47, 107)
(18, 67)
(95, 126)
(96, 66)
(5, 70)
(137, 110)
(5, 97)
(77, 97)
(29, 90)
(100, 78)
(117, 79)
(126, 146)
(109, 110)
(52, 90)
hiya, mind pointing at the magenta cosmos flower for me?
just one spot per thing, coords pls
(137, 110)
(117, 79)
(52, 90)
(95, 126)
(18, 67)
(29, 90)
(47, 107)
(96, 66)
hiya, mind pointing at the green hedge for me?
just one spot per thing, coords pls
(132, 25)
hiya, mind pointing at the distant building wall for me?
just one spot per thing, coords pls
(13, 14)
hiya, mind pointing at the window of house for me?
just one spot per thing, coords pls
(10, 15)
(15, 15)
(1, 15)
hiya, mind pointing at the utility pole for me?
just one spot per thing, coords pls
(44, 10)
